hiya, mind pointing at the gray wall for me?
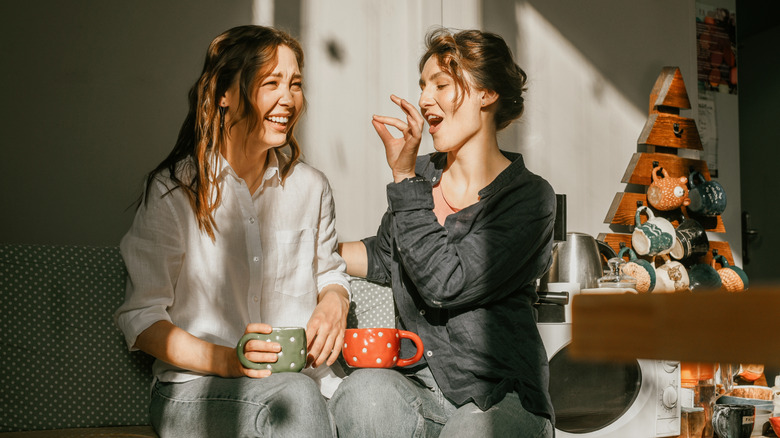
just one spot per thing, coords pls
(93, 93)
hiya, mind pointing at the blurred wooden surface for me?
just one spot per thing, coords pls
(713, 326)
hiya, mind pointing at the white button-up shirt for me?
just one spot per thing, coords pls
(274, 251)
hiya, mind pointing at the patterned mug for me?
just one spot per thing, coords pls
(703, 277)
(671, 276)
(690, 240)
(378, 347)
(708, 198)
(654, 237)
(666, 193)
(642, 270)
(292, 357)
(734, 279)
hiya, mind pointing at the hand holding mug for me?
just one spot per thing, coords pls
(291, 357)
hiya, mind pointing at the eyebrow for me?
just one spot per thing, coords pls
(279, 75)
(433, 77)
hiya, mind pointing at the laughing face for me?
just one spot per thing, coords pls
(278, 102)
(451, 126)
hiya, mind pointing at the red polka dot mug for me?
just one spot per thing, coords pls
(378, 347)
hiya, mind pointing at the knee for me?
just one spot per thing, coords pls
(370, 393)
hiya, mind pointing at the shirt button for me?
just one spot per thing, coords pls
(255, 299)
(251, 220)
(422, 312)
(256, 259)
(429, 353)
(433, 179)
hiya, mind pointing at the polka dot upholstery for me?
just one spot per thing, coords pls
(372, 305)
(63, 362)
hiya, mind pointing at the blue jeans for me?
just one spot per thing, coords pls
(282, 405)
(385, 403)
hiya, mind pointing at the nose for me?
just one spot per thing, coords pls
(426, 98)
(286, 98)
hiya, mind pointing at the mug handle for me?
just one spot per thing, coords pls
(403, 334)
(240, 350)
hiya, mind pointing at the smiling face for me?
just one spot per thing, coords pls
(278, 101)
(451, 126)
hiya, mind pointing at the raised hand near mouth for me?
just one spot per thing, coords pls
(401, 152)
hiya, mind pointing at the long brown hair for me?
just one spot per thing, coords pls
(243, 54)
(488, 60)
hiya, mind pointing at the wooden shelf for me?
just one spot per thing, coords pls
(640, 168)
(615, 239)
(668, 93)
(671, 131)
(623, 210)
(714, 326)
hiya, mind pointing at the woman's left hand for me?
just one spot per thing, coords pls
(325, 330)
(401, 152)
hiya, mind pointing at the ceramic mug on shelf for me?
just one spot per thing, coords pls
(654, 237)
(671, 277)
(703, 277)
(734, 279)
(667, 193)
(378, 347)
(733, 421)
(291, 358)
(708, 198)
(642, 270)
(690, 240)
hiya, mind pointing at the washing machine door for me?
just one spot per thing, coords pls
(587, 396)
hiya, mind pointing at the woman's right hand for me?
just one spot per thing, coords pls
(255, 351)
(401, 152)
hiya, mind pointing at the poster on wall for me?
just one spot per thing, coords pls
(716, 49)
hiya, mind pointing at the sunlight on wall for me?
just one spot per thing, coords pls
(579, 132)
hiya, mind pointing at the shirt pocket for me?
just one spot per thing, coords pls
(295, 262)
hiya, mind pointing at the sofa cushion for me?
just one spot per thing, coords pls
(64, 363)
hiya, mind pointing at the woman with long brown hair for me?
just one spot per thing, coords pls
(467, 233)
(236, 235)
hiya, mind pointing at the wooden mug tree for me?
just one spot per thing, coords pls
(664, 134)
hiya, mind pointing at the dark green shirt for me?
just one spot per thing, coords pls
(468, 287)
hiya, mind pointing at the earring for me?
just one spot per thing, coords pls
(222, 117)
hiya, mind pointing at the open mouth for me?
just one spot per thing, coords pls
(433, 119)
(278, 120)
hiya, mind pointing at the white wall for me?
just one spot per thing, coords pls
(380, 44)
(97, 91)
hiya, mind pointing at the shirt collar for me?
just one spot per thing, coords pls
(223, 168)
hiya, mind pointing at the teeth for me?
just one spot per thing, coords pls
(433, 118)
(278, 119)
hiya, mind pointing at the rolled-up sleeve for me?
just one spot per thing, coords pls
(153, 252)
(331, 268)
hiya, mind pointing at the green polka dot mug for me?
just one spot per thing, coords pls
(378, 347)
(292, 357)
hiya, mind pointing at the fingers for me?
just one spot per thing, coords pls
(258, 327)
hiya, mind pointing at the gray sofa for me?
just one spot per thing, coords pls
(65, 370)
